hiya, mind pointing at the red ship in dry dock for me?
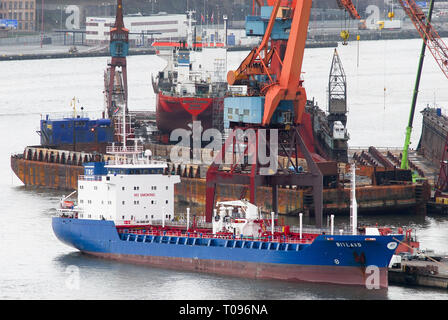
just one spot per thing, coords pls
(191, 88)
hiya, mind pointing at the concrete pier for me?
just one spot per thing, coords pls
(421, 273)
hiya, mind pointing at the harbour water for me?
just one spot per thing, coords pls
(35, 265)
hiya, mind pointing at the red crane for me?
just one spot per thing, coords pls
(348, 5)
(119, 45)
(273, 70)
(432, 39)
(282, 67)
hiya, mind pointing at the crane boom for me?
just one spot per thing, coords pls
(349, 7)
(289, 86)
(280, 68)
(432, 39)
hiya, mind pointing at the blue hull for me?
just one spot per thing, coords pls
(336, 259)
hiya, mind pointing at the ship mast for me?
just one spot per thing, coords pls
(190, 40)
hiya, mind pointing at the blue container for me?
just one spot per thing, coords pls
(439, 112)
(265, 12)
(251, 109)
(75, 130)
(231, 40)
(257, 25)
(243, 109)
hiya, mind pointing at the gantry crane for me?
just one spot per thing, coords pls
(116, 87)
(275, 99)
(119, 47)
(282, 70)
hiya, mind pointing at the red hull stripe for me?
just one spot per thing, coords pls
(298, 273)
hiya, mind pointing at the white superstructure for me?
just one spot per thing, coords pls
(128, 194)
(132, 189)
(193, 73)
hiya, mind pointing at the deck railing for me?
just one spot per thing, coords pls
(275, 239)
(90, 178)
(179, 233)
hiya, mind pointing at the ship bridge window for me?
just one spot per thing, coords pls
(116, 171)
(152, 171)
(80, 123)
(136, 171)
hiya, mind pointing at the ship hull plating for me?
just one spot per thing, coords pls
(351, 260)
(177, 112)
(298, 273)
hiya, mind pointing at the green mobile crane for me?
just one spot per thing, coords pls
(404, 159)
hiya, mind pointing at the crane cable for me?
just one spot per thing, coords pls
(344, 30)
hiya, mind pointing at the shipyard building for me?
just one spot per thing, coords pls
(142, 29)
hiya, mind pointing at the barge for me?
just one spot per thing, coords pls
(47, 168)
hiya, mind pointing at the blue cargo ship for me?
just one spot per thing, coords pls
(125, 211)
(339, 259)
